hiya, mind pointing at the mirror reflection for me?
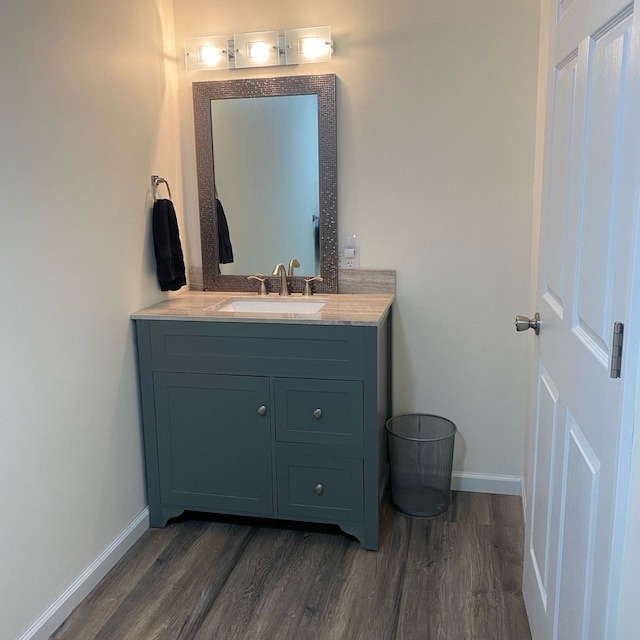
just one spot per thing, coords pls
(266, 181)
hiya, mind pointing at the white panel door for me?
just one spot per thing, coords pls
(587, 251)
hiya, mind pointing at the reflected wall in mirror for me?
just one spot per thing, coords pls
(267, 146)
(270, 144)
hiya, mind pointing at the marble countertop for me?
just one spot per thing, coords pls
(341, 308)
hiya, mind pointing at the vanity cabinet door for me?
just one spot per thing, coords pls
(214, 442)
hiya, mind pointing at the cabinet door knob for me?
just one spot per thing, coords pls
(262, 411)
(319, 489)
(317, 414)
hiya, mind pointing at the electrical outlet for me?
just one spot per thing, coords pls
(349, 254)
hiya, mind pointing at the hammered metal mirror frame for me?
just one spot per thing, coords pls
(324, 86)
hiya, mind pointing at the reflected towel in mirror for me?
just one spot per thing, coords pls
(225, 250)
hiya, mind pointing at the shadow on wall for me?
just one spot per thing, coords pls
(408, 394)
(166, 153)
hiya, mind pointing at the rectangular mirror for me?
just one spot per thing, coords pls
(267, 148)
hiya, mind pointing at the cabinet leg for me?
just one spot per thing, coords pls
(368, 537)
(159, 516)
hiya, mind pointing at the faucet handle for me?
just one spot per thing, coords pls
(293, 263)
(307, 285)
(262, 291)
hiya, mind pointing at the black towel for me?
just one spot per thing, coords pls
(225, 250)
(166, 240)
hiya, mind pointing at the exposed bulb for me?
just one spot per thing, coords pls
(258, 51)
(311, 47)
(209, 54)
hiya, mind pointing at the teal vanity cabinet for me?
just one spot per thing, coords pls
(276, 419)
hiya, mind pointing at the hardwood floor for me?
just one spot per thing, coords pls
(456, 576)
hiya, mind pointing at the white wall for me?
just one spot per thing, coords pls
(436, 121)
(87, 114)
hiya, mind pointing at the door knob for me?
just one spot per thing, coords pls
(523, 323)
(262, 411)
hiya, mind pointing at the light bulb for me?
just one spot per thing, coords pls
(258, 51)
(311, 47)
(209, 54)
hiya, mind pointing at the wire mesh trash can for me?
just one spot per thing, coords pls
(421, 459)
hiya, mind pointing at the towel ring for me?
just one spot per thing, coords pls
(155, 181)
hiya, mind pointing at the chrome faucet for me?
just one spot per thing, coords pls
(279, 270)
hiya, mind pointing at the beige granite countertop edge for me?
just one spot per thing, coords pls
(341, 309)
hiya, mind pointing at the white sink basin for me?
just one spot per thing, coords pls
(258, 306)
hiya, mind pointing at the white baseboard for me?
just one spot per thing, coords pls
(486, 483)
(80, 588)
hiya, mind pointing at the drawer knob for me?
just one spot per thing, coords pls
(319, 489)
(317, 414)
(262, 411)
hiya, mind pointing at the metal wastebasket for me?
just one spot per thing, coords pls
(421, 459)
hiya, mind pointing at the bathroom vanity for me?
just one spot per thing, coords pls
(276, 415)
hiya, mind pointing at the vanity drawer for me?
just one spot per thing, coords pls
(321, 488)
(325, 351)
(319, 411)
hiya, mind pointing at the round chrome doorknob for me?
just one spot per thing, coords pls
(319, 489)
(523, 323)
(317, 414)
(262, 411)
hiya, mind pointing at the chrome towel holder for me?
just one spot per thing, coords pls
(155, 182)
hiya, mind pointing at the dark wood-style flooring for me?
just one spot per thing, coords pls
(456, 576)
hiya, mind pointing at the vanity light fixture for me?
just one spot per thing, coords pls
(259, 49)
